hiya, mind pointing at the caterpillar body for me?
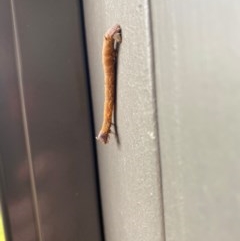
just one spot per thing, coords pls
(109, 54)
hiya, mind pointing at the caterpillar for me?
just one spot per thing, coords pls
(109, 54)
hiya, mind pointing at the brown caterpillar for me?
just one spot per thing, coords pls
(109, 55)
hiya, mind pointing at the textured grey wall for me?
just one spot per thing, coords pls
(197, 54)
(129, 173)
(195, 67)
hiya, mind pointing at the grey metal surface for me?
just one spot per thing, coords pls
(197, 68)
(46, 140)
(130, 171)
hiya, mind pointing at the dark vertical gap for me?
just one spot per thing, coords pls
(5, 215)
(83, 30)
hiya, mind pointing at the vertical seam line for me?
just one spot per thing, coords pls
(153, 70)
(25, 121)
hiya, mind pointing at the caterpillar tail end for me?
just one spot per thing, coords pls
(103, 137)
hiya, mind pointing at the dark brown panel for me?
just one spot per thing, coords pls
(58, 124)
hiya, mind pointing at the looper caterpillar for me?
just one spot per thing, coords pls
(109, 54)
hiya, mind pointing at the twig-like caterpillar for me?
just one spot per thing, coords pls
(109, 54)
